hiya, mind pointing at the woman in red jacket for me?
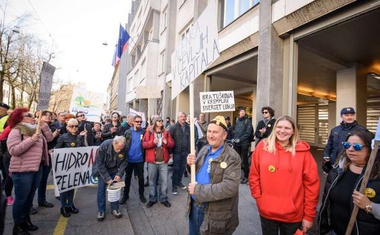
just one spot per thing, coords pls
(284, 180)
(157, 142)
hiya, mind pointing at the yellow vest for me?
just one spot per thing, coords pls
(3, 120)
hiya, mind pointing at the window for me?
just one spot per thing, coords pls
(162, 61)
(235, 8)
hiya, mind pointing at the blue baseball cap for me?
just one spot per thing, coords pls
(347, 110)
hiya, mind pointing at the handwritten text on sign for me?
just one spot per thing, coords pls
(217, 101)
(46, 81)
(72, 167)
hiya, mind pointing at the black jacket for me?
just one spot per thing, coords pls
(177, 134)
(68, 140)
(366, 223)
(337, 136)
(105, 155)
(107, 134)
(269, 128)
(243, 131)
(88, 126)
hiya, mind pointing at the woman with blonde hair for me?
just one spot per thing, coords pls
(284, 180)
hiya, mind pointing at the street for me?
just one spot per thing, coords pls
(137, 219)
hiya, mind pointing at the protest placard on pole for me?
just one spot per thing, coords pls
(72, 167)
(217, 101)
(46, 81)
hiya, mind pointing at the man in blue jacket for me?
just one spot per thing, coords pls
(338, 135)
(134, 136)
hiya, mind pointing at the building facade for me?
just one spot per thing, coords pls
(306, 58)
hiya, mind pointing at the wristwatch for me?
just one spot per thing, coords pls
(368, 208)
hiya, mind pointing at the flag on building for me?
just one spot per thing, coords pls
(121, 46)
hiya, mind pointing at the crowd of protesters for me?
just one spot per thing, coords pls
(283, 175)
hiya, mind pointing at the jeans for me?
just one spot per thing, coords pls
(101, 198)
(25, 185)
(179, 164)
(160, 170)
(139, 168)
(243, 152)
(197, 214)
(67, 198)
(43, 183)
(271, 227)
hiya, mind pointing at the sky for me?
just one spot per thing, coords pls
(77, 29)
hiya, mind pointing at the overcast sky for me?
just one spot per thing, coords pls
(78, 29)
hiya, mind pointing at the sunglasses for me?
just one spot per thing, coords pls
(73, 126)
(357, 147)
(265, 112)
(138, 121)
(159, 120)
(82, 115)
(28, 115)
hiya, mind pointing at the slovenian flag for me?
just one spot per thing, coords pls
(121, 46)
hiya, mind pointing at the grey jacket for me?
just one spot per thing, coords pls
(104, 156)
(222, 195)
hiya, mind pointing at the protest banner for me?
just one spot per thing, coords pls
(88, 102)
(72, 167)
(217, 101)
(46, 81)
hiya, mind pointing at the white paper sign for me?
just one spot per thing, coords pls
(217, 101)
(72, 167)
(196, 51)
(46, 81)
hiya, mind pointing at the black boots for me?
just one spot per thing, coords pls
(18, 229)
(65, 212)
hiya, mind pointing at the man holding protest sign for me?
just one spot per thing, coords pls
(111, 161)
(214, 196)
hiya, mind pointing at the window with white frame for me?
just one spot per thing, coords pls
(235, 8)
(162, 62)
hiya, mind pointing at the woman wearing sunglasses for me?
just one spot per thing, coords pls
(29, 153)
(70, 140)
(342, 185)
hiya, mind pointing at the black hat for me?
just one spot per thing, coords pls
(4, 105)
(227, 118)
(241, 108)
(347, 110)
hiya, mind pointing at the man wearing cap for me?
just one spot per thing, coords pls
(338, 135)
(214, 196)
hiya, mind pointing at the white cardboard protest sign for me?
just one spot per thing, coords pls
(46, 81)
(217, 101)
(72, 167)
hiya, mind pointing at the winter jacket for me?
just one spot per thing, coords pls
(365, 223)
(337, 136)
(107, 134)
(285, 187)
(128, 140)
(243, 131)
(222, 195)
(85, 125)
(150, 147)
(177, 133)
(68, 140)
(27, 154)
(269, 127)
(104, 156)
